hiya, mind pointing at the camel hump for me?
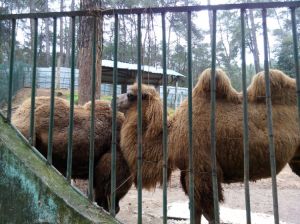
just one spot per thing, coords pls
(283, 88)
(60, 106)
(99, 105)
(224, 89)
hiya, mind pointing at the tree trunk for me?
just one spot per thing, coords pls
(69, 40)
(255, 51)
(31, 9)
(85, 55)
(210, 15)
(47, 35)
(61, 47)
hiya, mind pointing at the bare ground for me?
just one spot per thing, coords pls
(25, 93)
(288, 186)
(260, 196)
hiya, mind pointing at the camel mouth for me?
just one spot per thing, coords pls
(105, 204)
(123, 102)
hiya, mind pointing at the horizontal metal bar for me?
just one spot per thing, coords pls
(100, 12)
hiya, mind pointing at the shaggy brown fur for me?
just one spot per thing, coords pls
(295, 163)
(152, 135)
(103, 136)
(229, 133)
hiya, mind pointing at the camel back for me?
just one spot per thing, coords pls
(283, 88)
(224, 89)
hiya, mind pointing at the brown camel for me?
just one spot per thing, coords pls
(229, 134)
(295, 163)
(103, 137)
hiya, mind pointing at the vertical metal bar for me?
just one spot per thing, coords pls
(114, 127)
(245, 121)
(213, 121)
(176, 93)
(190, 122)
(165, 120)
(92, 128)
(139, 165)
(269, 117)
(296, 57)
(51, 122)
(33, 85)
(11, 68)
(71, 113)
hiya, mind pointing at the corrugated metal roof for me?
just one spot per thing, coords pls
(145, 68)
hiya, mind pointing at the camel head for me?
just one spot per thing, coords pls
(128, 100)
(151, 107)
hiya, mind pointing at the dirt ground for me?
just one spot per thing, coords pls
(260, 196)
(288, 186)
(26, 93)
(260, 192)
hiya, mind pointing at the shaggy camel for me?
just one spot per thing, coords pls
(103, 137)
(295, 163)
(229, 134)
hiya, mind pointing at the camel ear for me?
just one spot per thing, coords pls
(154, 116)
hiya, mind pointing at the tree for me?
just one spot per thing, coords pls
(285, 56)
(61, 47)
(253, 41)
(5, 35)
(68, 38)
(85, 56)
(47, 35)
(284, 49)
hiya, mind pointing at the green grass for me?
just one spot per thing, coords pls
(75, 98)
(171, 111)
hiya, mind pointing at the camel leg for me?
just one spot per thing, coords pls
(203, 191)
(184, 180)
(198, 217)
(103, 179)
(208, 209)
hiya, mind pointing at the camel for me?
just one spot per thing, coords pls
(295, 163)
(229, 134)
(80, 147)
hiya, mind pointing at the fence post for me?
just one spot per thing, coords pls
(11, 69)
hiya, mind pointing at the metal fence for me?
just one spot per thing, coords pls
(22, 72)
(44, 80)
(175, 94)
(264, 7)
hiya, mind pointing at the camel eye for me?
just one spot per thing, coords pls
(131, 97)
